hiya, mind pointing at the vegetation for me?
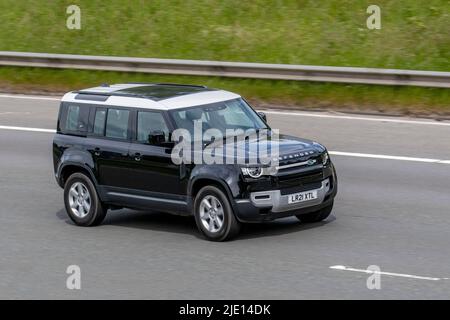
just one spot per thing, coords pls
(414, 35)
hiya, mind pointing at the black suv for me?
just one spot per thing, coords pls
(114, 148)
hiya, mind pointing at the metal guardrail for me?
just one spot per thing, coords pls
(229, 69)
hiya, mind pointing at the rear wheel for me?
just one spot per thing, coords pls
(214, 216)
(82, 202)
(316, 216)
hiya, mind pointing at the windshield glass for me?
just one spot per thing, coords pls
(232, 115)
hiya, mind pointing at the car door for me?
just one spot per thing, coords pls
(154, 175)
(109, 146)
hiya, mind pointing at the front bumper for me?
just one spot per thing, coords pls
(269, 205)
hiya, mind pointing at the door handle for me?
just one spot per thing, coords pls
(137, 156)
(97, 151)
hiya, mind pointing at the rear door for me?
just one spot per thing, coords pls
(109, 145)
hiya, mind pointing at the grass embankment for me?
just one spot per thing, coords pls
(414, 35)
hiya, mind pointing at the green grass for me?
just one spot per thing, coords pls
(415, 34)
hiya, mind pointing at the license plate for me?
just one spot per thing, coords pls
(302, 196)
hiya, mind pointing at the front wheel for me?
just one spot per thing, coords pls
(316, 216)
(82, 202)
(214, 216)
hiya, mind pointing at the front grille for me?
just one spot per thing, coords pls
(301, 180)
(300, 188)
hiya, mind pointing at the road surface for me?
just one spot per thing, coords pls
(390, 212)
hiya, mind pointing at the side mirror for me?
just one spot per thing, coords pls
(156, 138)
(263, 116)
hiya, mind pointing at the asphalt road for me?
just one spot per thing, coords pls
(391, 213)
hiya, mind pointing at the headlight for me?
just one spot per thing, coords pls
(252, 172)
(325, 158)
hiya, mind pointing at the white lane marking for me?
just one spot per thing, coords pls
(387, 157)
(19, 96)
(27, 129)
(378, 119)
(13, 112)
(403, 275)
(336, 153)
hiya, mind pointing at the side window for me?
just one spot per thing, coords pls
(73, 114)
(149, 121)
(99, 122)
(117, 123)
(76, 118)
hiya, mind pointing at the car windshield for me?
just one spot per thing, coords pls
(227, 115)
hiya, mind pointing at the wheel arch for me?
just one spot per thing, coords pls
(201, 181)
(69, 168)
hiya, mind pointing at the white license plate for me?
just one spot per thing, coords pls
(302, 196)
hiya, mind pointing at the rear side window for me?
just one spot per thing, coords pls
(99, 122)
(74, 118)
(117, 123)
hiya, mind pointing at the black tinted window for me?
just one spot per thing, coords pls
(76, 118)
(117, 123)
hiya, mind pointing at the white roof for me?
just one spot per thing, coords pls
(198, 99)
(183, 101)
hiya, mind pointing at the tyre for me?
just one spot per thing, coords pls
(316, 216)
(82, 202)
(214, 216)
